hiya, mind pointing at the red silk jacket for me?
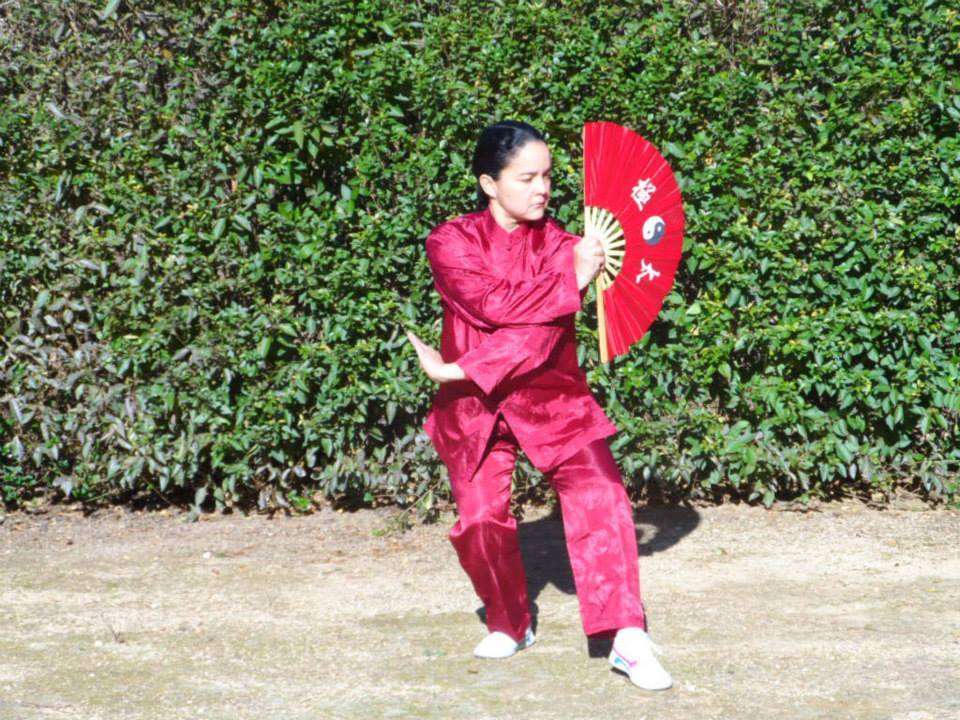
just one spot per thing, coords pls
(509, 305)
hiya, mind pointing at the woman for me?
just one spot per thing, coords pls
(511, 280)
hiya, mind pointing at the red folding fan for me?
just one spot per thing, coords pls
(633, 202)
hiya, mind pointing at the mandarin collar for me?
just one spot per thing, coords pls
(494, 230)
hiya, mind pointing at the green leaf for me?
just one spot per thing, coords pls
(673, 149)
(263, 347)
(43, 297)
(768, 497)
(110, 9)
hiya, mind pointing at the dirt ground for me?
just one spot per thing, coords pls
(840, 612)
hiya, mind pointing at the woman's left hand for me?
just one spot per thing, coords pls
(432, 363)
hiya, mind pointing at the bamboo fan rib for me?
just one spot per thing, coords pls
(604, 223)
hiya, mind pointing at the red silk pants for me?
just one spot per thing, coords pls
(597, 524)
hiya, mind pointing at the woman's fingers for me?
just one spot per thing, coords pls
(422, 354)
(417, 342)
(418, 346)
(431, 362)
(428, 356)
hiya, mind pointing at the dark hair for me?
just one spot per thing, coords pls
(496, 147)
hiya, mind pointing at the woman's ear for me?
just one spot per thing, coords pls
(488, 185)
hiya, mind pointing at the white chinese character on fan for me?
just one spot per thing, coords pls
(642, 192)
(646, 271)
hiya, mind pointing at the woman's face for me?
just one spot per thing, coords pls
(523, 189)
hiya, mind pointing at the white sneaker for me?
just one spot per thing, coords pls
(500, 645)
(633, 653)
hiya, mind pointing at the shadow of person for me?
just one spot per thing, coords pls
(543, 548)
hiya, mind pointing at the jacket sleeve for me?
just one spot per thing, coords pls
(563, 252)
(488, 301)
(510, 352)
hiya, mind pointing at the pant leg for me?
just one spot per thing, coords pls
(601, 539)
(485, 537)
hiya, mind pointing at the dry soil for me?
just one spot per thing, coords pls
(840, 612)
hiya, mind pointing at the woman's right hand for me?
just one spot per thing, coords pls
(588, 259)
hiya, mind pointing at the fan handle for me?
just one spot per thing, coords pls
(602, 222)
(601, 323)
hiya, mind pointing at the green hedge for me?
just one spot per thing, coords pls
(212, 220)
